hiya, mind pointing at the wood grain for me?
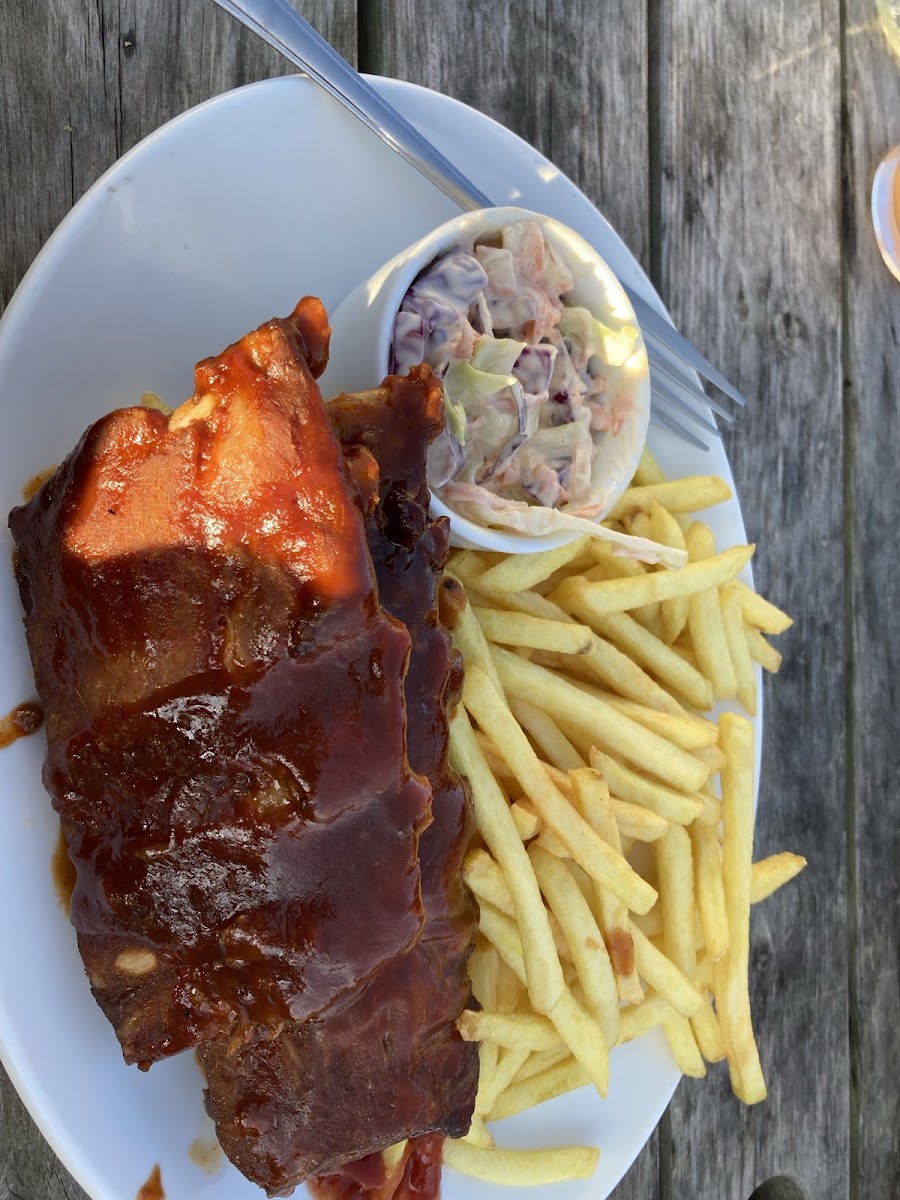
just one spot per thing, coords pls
(569, 76)
(872, 317)
(750, 261)
(83, 82)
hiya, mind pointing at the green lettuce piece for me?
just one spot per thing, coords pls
(612, 346)
(496, 356)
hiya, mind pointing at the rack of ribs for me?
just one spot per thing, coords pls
(232, 614)
(385, 1063)
(225, 706)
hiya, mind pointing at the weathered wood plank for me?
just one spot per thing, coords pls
(750, 264)
(569, 76)
(80, 84)
(873, 455)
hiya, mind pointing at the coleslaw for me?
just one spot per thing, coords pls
(537, 389)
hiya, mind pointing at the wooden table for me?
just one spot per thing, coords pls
(732, 145)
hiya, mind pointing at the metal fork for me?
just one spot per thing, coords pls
(675, 389)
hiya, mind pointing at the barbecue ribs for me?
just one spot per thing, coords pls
(225, 706)
(385, 1063)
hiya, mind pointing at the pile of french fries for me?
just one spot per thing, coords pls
(613, 869)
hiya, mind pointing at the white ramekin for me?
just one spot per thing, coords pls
(363, 327)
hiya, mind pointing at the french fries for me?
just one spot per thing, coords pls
(646, 649)
(630, 785)
(772, 873)
(520, 572)
(513, 1031)
(705, 622)
(584, 939)
(557, 1079)
(542, 970)
(546, 734)
(573, 709)
(731, 983)
(585, 847)
(613, 884)
(519, 629)
(677, 495)
(619, 595)
(521, 1168)
(664, 528)
(739, 651)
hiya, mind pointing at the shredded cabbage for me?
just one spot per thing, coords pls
(526, 376)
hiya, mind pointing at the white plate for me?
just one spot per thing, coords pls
(214, 223)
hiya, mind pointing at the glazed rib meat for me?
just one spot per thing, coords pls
(385, 1062)
(225, 706)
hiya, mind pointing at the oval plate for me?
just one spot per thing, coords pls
(211, 225)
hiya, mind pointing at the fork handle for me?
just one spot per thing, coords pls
(282, 27)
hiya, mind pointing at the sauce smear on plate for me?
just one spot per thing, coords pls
(153, 1188)
(35, 483)
(416, 1177)
(63, 872)
(207, 1154)
(24, 720)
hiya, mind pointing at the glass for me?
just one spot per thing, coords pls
(889, 14)
(886, 209)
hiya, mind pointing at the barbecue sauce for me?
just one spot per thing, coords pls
(63, 872)
(207, 1154)
(416, 1177)
(24, 720)
(225, 707)
(35, 483)
(153, 1188)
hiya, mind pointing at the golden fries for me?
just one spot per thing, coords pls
(629, 785)
(519, 629)
(522, 1168)
(738, 650)
(626, 882)
(543, 972)
(519, 572)
(528, 823)
(665, 528)
(573, 709)
(619, 595)
(638, 1019)
(651, 652)
(731, 982)
(584, 939)
(470, 641)
(705, 622)
(575, 1027)
(662, 975)
(546, 735)
(768, 875)
(683, 1045)
(760, 650)
(543, 1060)
(710, 890)
(758, 611)
(677, 495)
(683, 729)
(557, 1079)
(514, 1031)
(585, 847)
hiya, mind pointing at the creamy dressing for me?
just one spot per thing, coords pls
(524, 373)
